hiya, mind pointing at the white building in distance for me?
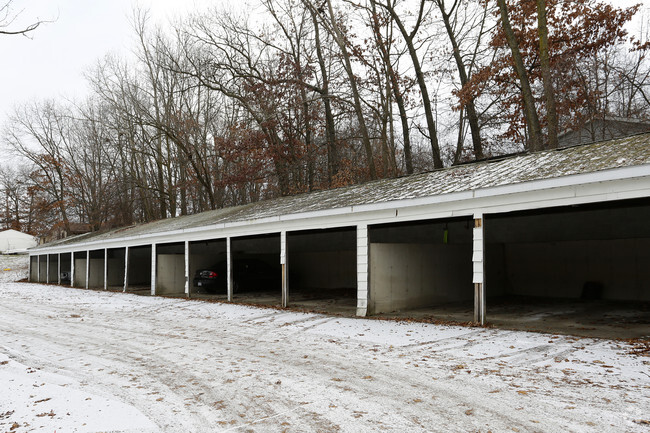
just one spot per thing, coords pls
(15, 242)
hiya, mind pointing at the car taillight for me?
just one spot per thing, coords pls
(211, 274)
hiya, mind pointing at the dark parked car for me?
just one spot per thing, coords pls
(248, 274)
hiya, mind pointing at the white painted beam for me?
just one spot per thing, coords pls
(126, 269)
(478, 267)
(105, 268)
(38, 269)
(87, 268)
(58, 269)
(285, 268)
(153, 269)
(187, 269)
(229, 281)
(362, 270)
(72, 269)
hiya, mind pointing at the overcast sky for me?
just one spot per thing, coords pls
(51, 63)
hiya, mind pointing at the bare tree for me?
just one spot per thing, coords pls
(410, 40)
(8, 20)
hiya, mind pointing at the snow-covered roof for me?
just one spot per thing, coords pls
(13, 242)
(511, 170)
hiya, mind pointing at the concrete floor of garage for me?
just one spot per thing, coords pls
(596, 319)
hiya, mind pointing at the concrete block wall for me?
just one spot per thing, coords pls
(324, 269)
(54, 268)
(33, 273)
(170, 274)
(406, 276)
(80, 272)
(96, 277)
(43, 270)
(115, 275)
(140, 269)
(560, 269)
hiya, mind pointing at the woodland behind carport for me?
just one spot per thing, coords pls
(562, 224)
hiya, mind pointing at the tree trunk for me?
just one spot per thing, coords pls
(545, 64)
(365, 137)
(397, 93)
(470, 108)
(330, 132)
(426, 101)
(532, 121)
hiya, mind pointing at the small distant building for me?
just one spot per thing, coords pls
(601, 129)
(15, 242)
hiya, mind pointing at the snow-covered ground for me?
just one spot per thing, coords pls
(74, 360)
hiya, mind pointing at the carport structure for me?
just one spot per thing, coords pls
(568, 223)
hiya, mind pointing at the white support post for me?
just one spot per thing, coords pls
(478, 262)
(229, 281)
(87, 269)
(153, 269)
(126, 269)
(105, 268)
(72, 270)
(47, 269)
(362, 270)
(285, 268)
(187, 269)
(38, 268)
(58, 269)
(29, 275)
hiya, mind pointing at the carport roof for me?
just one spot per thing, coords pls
(526, 167)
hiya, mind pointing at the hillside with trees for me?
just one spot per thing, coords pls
(225, 108)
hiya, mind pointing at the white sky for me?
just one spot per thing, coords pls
(51, 64)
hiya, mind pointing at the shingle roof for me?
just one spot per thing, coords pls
(626, 152)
